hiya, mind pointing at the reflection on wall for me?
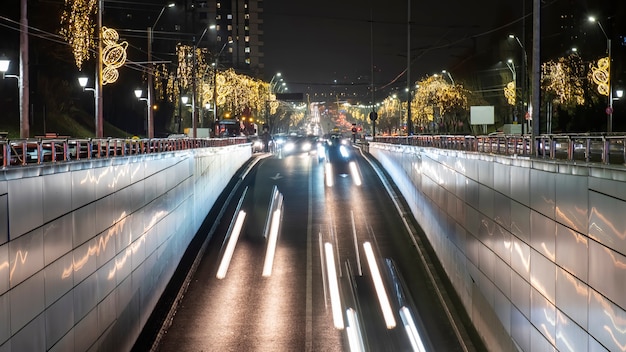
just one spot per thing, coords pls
(87, 248)
(542, 243)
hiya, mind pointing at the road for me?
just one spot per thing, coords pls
(336, 233)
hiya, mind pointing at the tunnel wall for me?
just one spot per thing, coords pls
(535, 249)
(87, 248)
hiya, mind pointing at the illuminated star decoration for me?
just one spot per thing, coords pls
(113, 55)
(77, 28)
(600, 75)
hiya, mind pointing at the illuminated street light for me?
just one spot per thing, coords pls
(217, 57)
(609, 109)
(524, 79)
(138, 94)
(449, 75)
(4, 67)
(151, 73)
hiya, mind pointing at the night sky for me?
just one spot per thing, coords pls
(314, 43)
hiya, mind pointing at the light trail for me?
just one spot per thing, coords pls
(230, 247)
(383, 299)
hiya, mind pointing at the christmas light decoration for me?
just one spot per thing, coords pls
(509, 93)
(77, 28)
(600, 75)
(113, 55)
(563, 80)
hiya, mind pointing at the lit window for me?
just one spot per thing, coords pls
(247, 16)
(219, 5)
(229, 16)
(247, 61)
(247, 38)
(218, 17)
(230, 27)
(247, 49)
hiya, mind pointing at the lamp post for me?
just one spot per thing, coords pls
(217, 57)
(511, 92)
(523, 78)
(270, 91)
(151, 73)
(449, 76)
(4, 67)
(82, 81)
(609, 109)
(184, 100)
(138, 94)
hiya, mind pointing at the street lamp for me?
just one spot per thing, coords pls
(4, 67)
(138, 94)
(217, 57)
(609, 109)
(449, 75)
(523, 75)
(184, 100)
(151, 73)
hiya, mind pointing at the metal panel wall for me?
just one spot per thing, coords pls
(87, 248)
(542, 242)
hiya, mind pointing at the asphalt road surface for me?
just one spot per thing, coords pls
(316, 234)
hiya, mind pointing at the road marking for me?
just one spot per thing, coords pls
(276, 177)
(308, 340)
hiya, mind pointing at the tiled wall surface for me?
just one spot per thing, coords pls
(543, 243)
(86, 248)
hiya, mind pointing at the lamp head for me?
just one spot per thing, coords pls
(82, 80)
(619, 93)
(138, 93)
(184, 99)
(4, 64)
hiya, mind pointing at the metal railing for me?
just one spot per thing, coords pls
(21, 152)
(606, 149)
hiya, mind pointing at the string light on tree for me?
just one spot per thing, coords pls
(77, 28)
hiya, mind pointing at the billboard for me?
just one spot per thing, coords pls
(481, 115)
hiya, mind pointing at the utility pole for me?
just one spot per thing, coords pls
(23, 77)
(536, 74)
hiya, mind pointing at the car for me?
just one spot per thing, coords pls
(297, 145)
(256, 143)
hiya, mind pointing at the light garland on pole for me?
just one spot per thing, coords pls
(600, 75)
(113, 55)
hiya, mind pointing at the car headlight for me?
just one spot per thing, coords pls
(306, 146)
(344, 151)
(289, 146)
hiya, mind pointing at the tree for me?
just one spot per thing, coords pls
(440, 106)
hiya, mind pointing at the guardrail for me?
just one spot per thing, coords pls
(606, 149)
(21, 152)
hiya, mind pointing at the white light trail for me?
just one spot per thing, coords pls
(329, 174)
(355, 173)
(271, 244)
(383, 299)
(411, 330)
(355, 338)
(230, 247)
(333, 286)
